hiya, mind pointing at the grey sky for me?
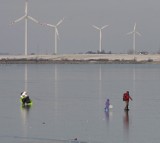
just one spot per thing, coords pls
(76, 32)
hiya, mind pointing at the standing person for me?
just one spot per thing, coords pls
(126, 98)
(107, 104)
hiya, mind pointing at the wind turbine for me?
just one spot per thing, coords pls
(100, 35)
(134, 32)
(26, 17)
(56, 32)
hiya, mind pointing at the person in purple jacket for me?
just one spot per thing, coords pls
(107, 105)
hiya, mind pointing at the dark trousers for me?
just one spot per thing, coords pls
(26, 100)
(127, 104)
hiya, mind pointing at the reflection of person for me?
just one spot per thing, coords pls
(126, 123)
(126, 119)
(107, 105)
(126, 98)
(25, 98)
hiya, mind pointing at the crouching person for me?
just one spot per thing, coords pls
(25, 98)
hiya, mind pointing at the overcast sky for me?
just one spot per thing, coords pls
(76, 32)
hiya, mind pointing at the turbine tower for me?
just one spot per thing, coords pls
(134, 32)
(25, 17)
(56, 33)
(100, 35)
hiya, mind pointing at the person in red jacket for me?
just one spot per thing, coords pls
(126, 98)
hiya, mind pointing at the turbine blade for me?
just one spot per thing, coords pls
(26, 7)
(135, 27)
(138, 33)
(19, 19)
(57, 33)
(104, 26)
(50, 25)
(96, 27)
(46, 24)
(130, 33)
(59, 22)
(33, 19)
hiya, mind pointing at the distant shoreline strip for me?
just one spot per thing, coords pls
(81, 59)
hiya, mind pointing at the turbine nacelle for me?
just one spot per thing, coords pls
(101, 27)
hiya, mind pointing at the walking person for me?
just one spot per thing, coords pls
(107, 104)
(126, 98)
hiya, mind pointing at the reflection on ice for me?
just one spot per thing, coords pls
(126, 120)
(25, 117)
(108, 116)
(126, 124)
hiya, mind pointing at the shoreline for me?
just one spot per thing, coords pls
(81, 59)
